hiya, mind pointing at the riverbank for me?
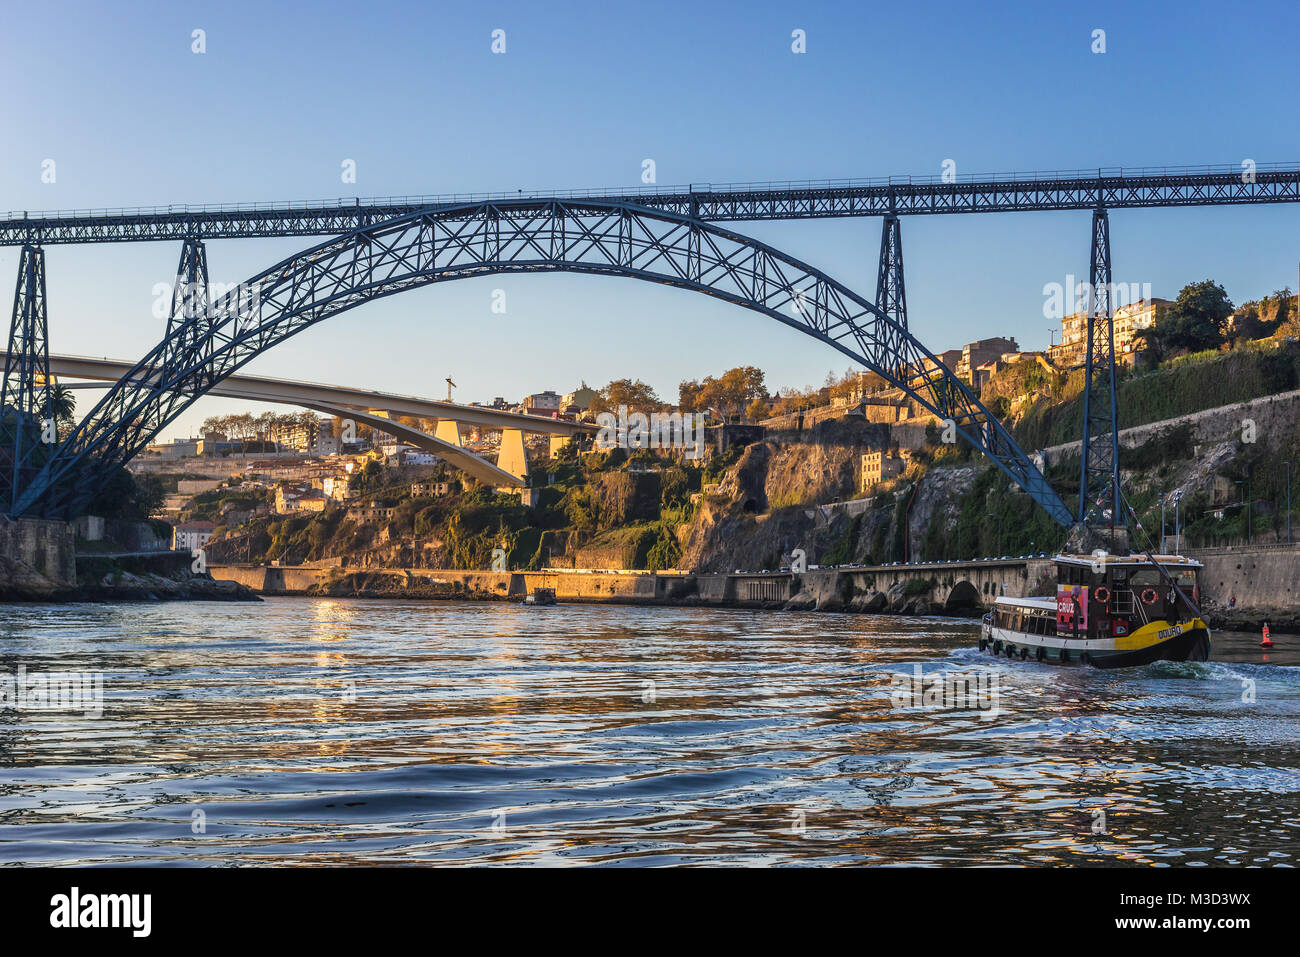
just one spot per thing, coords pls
(954, 589)
(39, 562)
(1259, 577)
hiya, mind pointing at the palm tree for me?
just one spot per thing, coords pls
(63, 404)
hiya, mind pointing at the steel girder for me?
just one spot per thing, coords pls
(1099, 494)
(890, 294)
(25, 401)
(1111, 188)
(190, 294)
(596, 238)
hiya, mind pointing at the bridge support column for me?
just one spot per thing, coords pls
(448, 431)
(190, 300)
(1099, 494)
(890, 295)
(27, 424)
(513, 458)
(558, 442)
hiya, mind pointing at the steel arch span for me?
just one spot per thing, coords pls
(594, 237)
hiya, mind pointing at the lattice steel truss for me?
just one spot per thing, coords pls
(597, 238)
(26, 416)
(1099, 494)
(190, 301)
(1116, 188)
(891, 297)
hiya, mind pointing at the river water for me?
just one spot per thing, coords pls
(350, 731)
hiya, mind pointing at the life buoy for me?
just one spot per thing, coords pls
(1102, 594)
(1149, 596)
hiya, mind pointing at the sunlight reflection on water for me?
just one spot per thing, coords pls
(342, 731)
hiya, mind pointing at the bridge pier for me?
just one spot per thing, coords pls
(1099, 489)
(513, 458)
(26, 407)
(190, 294)
(448, 430)
(890, 294)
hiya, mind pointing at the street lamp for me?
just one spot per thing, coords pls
(1178, 527)
(1162, 523)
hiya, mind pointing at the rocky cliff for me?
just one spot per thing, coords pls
(778, 497)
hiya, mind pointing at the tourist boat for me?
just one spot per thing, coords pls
(1110, 611)
(540, 596)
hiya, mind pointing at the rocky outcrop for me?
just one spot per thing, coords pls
(147, 586)
(823, 466)
(771, 502)
(20, 582)
(938, 498)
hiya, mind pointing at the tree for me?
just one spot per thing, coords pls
(125, 496)
(63, 404)
(726, 396)
(1196, 321)
(633, 393)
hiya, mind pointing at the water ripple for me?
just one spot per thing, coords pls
(332, 732)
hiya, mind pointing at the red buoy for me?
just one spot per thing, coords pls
(1267, 642)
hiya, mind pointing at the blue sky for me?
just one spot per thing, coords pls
(584, 93)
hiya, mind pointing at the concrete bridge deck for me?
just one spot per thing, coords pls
(288, 391)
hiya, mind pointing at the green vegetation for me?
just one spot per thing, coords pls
(997, 518)
(842, 552)
(1181, 386)
(208, 506)
(594, 501)
(1195, 322)
(128, 496)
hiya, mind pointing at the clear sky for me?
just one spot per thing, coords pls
(413, 93)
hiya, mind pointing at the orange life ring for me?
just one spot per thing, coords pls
(1102, 594)
(1149, 596)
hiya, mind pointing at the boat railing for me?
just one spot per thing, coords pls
(1121, 602)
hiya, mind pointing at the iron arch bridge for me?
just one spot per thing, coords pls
(595, 237)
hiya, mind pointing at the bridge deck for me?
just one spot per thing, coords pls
(1112, 188)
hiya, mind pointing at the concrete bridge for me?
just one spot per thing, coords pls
(379, 410)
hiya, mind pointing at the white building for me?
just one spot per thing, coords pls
(191, 535)
(542, 403)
